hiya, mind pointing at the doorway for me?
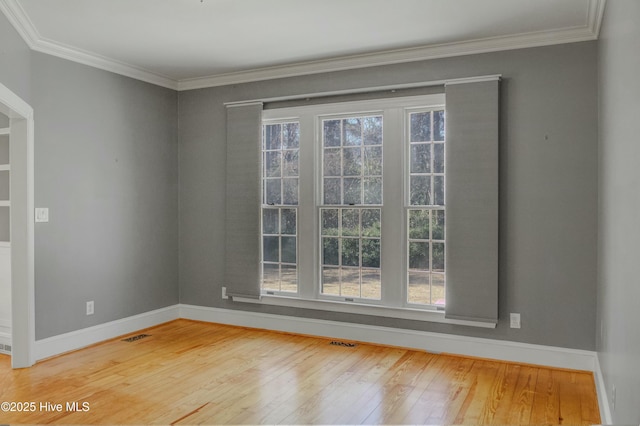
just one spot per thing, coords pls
(17, 198)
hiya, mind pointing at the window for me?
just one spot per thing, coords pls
(351, 176)
(426, 212)
(280, 165)
(392, 225)
(353, 202)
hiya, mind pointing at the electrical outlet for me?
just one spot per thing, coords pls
(224, 293)
(515, 320)
(42, 214)
(90, 307)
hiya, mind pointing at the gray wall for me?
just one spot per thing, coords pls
(619, 229)
(15, 60)
(548, 187)
(106, 166)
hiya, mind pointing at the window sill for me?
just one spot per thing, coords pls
(362, 309)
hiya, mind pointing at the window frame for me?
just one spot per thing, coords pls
(279, 207)
(310, 202)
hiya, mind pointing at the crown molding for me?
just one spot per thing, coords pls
(102, 62)
(391, 57)
(29, 33)
(590, 31)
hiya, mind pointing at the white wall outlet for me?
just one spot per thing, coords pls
(224, 293)
(42, 214)
(515, 320)
(90, 307)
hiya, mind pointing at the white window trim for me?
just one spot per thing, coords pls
(309, 296)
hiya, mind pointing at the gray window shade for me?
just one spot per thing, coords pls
(244, 138)
(472, 201)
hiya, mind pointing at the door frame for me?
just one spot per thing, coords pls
(21, 148)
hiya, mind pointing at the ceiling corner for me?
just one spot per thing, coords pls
(16, 15)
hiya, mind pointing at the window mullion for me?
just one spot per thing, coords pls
(393, 220)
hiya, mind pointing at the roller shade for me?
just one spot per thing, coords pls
(471, 199)
(242, 262)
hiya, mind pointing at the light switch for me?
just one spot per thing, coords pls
(42, 214)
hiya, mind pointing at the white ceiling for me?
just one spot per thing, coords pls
(197, 43)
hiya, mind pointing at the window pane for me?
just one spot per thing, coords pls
(419, 224)
(438, 257)
(330, 252)
(438, 158)
(270, 249)
(351, 222)
(373, 161)
(331, 132)
(371, 253)
(272, 164)
(352, 190)
(289, 278)
(290, 191)
(331, 281)
(419, 256)
(272, 136)
(289, 221)
(371, 284)
(274, 190)
(437, 289)
(372, 130)
(288, 250)
(270, 277)
(421, 127)
(290, 165)
(419, 288)
(352, 131)
(371, 222)
(438, 125)
(291, 135)
(331, 162)
(329, 221)
(421, 158)
(420, 190)
(351, 162)
(438, 190)
(332, 191)
(372, 190)
(270, 221)
(350, 252)
(438, 224)
(350, 282)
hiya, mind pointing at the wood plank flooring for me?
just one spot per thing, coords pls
(189, 372)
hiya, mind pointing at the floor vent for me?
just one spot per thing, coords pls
(5, 349)
(345, 344)
(134, 338)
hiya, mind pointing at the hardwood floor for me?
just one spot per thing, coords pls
(189, 372)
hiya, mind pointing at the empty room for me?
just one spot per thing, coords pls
(305, 212)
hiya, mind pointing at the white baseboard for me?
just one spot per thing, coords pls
(62, 343)
(428, 341)
(601, 390)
